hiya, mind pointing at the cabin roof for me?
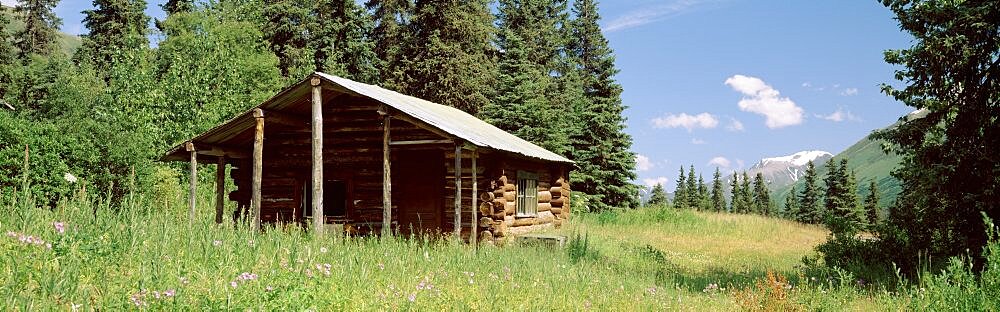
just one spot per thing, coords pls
(445, 118)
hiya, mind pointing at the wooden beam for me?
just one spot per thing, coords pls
(386, 180)
(423, 125)
(475, 197)
(220, 188)
(258, 155)
(193, 179)
(285, 119)
(221, 151)
(458, 192)
(420, 142)
(317, 156)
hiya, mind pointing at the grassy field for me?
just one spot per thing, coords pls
(87, 254)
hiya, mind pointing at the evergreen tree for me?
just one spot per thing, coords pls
(949, 168)
(175, 6)
(734, 194)
(681, 193)
(340, 41)
(8, 57)
(522, 105)
(284, 28)
(845, 216)
(601, 147)
(718, 198)
(658, 196)
(791, 204)
(746, 194)
(692, 189)
(809, 201)
(391, 35)
(703, 203)
(117, 27)
(40, 25)
(451, 59)
(871, 205)
(761, 196)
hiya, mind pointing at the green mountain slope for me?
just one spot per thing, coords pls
(869, 162)
(68, 43)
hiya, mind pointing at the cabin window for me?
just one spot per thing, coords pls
(527, 194)
(334, 199)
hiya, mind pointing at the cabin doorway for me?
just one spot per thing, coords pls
(417, 189)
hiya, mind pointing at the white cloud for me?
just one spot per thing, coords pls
(9, 3)
(643, 163)
(762, 99)
(840, 115)
(654, 181)
(649, 15)
(739, 163)
(720, 161)
(697, 141)
(734, 125)
(806, 84)
(849, 92)
(689, 122)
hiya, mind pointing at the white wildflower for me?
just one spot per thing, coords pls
(69, 177)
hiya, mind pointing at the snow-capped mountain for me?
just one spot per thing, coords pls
(785, 170)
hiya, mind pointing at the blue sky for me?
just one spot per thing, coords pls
(727, 82)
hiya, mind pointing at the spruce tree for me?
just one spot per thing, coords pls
(809, 201)
(117, 27)
(791, 204)
(949, 169)
(600, 145)
(718, 198)
(681, 193)
(8, 57)
(746, 194)
(522, 105)
(283, 29)
(692, 189)
(339, 40)
(391, 35)
(172, 7)
(871, 205)
(657, 197)
(734, 194)
(845, 215)
(703, 203)
(451, 59)
(40, 25)
(761, 196)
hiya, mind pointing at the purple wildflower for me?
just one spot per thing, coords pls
(60, 227)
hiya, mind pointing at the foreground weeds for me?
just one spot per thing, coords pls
(85, 253)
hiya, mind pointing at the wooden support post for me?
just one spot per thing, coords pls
(258, 166)
(475, 204)
(317, 157)
(194, 181)
(220, 188)
(386, 180)
(458, 192)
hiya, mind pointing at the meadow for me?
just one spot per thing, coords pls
(86, 254)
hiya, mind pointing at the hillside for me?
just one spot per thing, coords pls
(69, 43)
(869, 162)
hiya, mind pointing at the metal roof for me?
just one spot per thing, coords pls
(445, 118)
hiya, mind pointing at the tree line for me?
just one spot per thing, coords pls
(693, 193)
(540, 69)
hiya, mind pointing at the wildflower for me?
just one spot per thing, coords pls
(156, 294)
(323, 249)
(232, 284)
(60, 227)
(184, 280)
(11, 233)
(269, 288)
(381, 266)
(169, 293)
(216, 243)
(651, 290)
(69, 177)
(586, 304)
(412, 297)
(246, 276)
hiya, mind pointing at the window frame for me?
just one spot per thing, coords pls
(527, 194)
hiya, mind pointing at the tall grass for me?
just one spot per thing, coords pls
(88, 253)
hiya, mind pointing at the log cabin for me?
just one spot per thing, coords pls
(332, 154)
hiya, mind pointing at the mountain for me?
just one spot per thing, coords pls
(868, 161)
(785, 170)
(68, 43)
